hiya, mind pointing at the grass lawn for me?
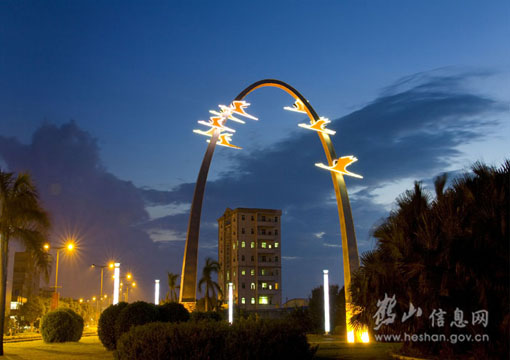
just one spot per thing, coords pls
(331, 347)
(87, 348)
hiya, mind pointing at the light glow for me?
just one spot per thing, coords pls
(116, 281)
(298, 106)
(237, 107)
(70, 246)
(209, 132)
(319, 126)
(224, 140)
(364, 337)
(230, 303)
(216, 122)
(156, 292)
(340, 166)
(350, 336)
(326, 302)
(46, 246)
(224, 112)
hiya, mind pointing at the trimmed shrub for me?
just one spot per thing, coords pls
(106, 325)
(172, 312)
(61, 325)
(137, 313)
(244, 340)
(78, 324)
(206, 316)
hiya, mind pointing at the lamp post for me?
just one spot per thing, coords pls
(102, 267)
(230, 303)
(69, 247)
(116, 282)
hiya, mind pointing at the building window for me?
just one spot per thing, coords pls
(252, 286)
(252, 258)
(264, 285)
(242, 218)
(263, 232)
(263, 218)
(252, 218)
(242, 257)
(276, 219)
(234, 274)
(252, 272)
(252, 245)
(264, 258)
(276, 286)
(242, 285)
(243, 272)
(276, 244)
(269, 246)
(263, 300)
(276, 272)
(276, 258)
(263, 245)
(243, 301)
(270, 287)
(276, 232)
(252, 231)
(228, 275)
(242, 230)
(243, 244)
(263, 272)
(253, 300)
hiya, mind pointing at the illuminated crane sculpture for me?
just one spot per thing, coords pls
(222, 135)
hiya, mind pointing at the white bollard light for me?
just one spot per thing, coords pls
(156, 292)
(116, 282)
(326, 302)
(230, 303)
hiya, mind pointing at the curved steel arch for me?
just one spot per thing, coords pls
(349, 245)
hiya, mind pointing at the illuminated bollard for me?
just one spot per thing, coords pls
(156, 292)
(326, 302)
(116, 282)
(230, 303)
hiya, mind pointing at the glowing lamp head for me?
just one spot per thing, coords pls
(133, 284)
(81, 300)
(46, 246)
(128, 276)
(93, 298)
(111, 265)
(70, 246)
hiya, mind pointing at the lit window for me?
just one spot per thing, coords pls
(228, 276)
(262, 272)
(263, 245)
(264, 285)
(252, 272)
(252, 286)
(243, 272)
(243, 244)
(252, 245)
(234, 274)
(270, 287)
(276, 286)
(234, 245)
(269, 246)
(253, 300)
(243, 300)
(263, 300)
(276, 244)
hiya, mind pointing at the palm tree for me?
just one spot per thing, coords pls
(21, 218)
(211, 266)
(171, 295)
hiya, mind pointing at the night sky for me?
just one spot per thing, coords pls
(98, 101)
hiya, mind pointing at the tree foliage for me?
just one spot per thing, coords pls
(211, 287)
(447, 252)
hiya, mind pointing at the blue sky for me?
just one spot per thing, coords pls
(423, 84)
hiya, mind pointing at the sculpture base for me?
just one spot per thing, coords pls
(189, 305)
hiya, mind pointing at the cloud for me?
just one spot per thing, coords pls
(319, 235)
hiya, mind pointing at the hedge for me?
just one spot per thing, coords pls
(106, 325)
(137, 313)
(61, 325)
(245, 340)
(172, 312)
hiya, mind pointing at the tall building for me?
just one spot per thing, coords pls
(25, 279)
(249, 253)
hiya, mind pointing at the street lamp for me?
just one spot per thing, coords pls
(102, 267)
(116, 281)
(69, 247)
(326, 302)
(156, 292)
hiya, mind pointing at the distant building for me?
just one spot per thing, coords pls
(249, 253)
(25, 279)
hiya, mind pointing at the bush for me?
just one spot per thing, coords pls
(78, 324)
(106, 325)
(202, 340)
(61, 325)
(206, 316)
(173, 312)
(137, 313)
